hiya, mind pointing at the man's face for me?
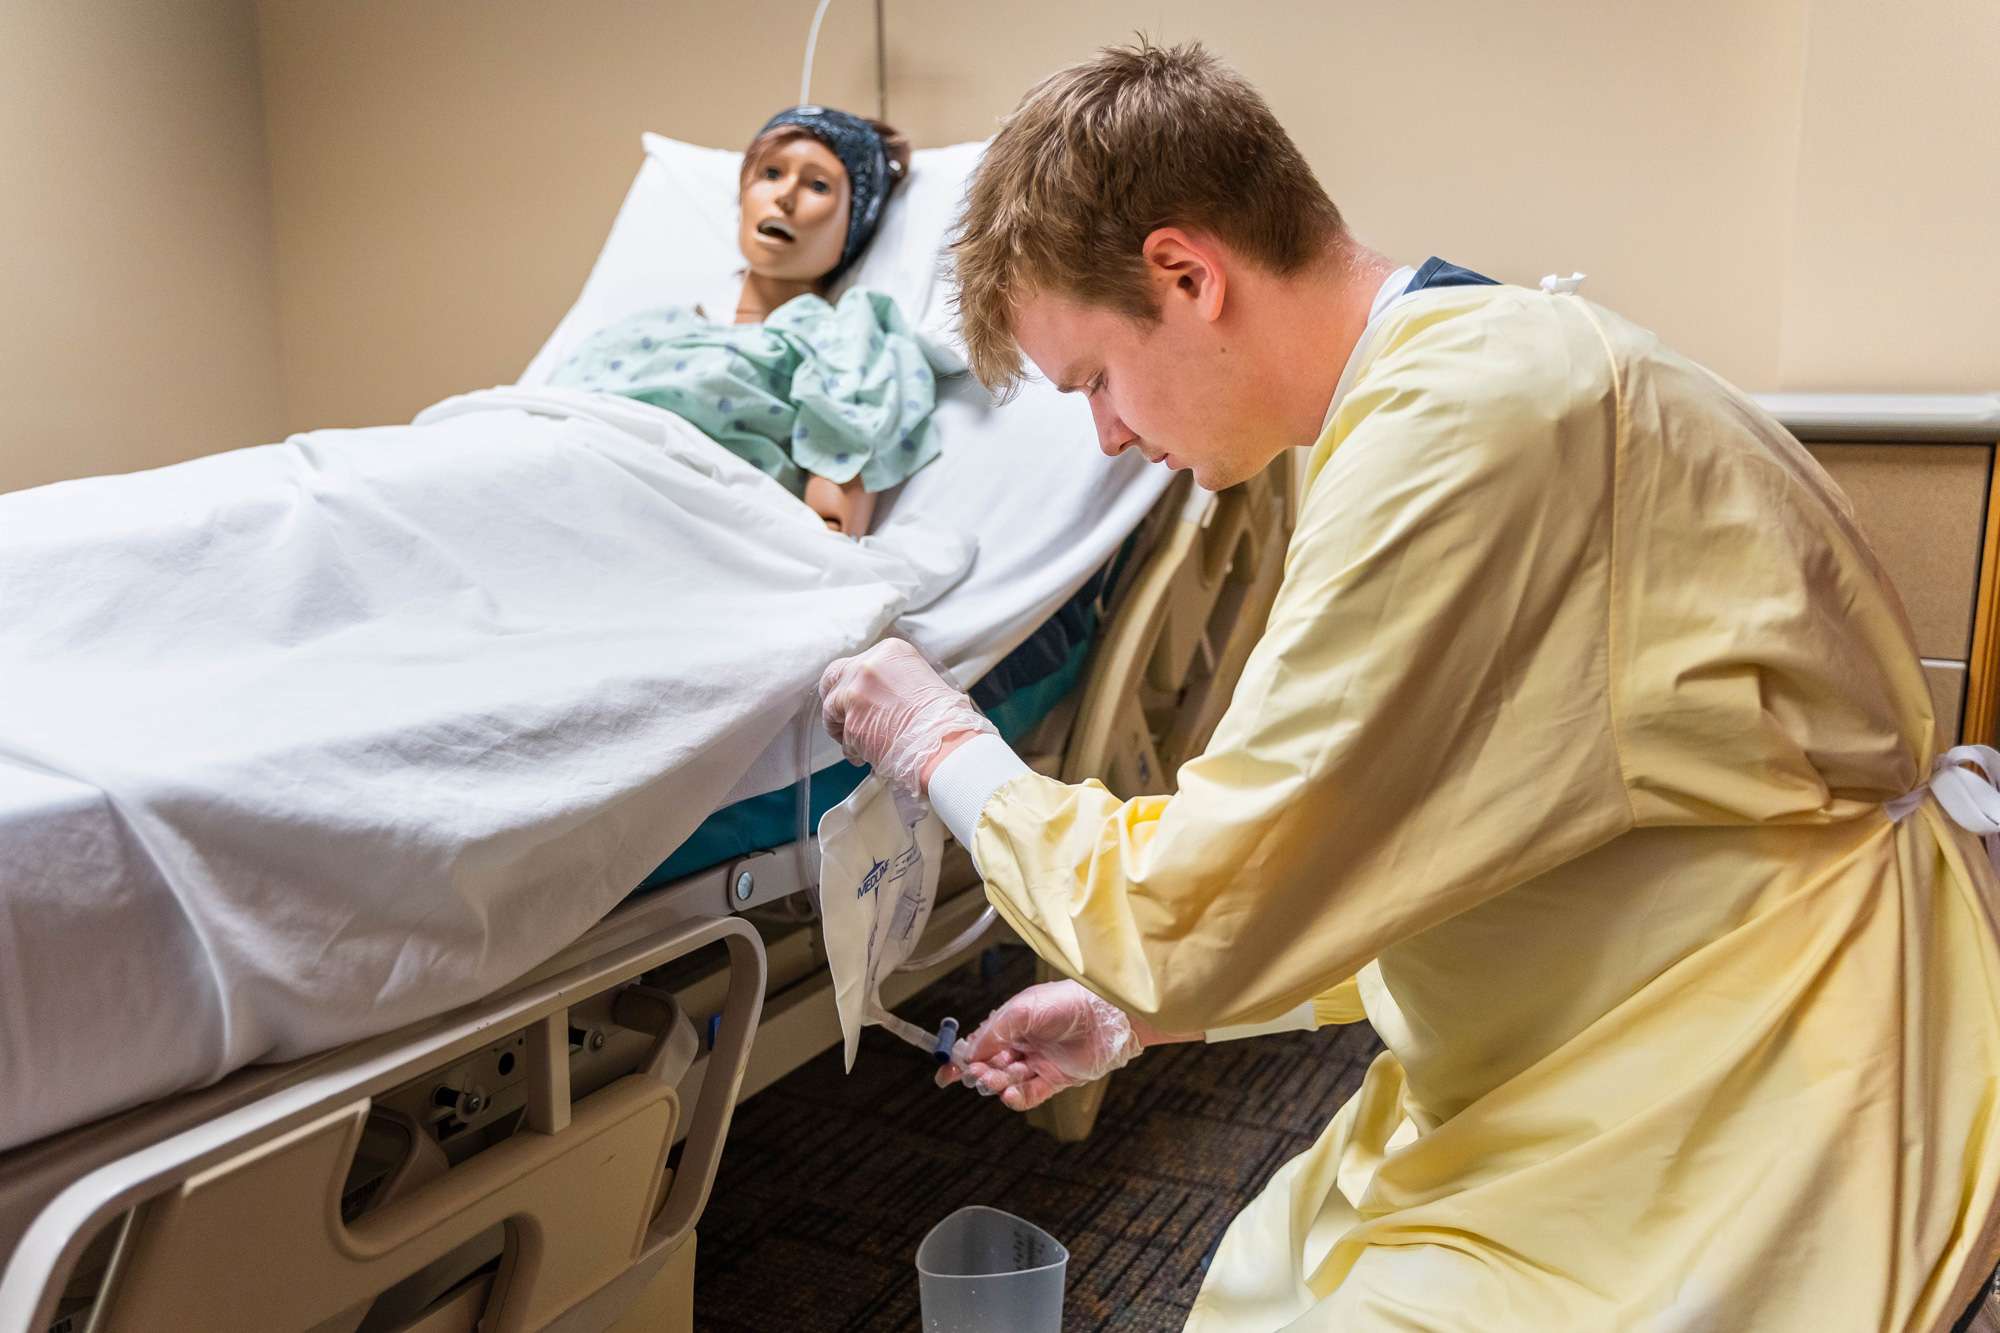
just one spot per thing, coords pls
(1166, 389)
(794, 211)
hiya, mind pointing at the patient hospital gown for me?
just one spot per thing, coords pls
(837, 391)
(1566, 751)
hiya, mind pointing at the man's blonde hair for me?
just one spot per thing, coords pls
(1099, 155)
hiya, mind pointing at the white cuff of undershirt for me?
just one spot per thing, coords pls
(967, 779)
(1300, 1019)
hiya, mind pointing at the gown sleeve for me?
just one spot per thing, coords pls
(1342, 1004)
(1427, 719)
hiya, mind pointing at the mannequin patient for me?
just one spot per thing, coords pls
(831, 400)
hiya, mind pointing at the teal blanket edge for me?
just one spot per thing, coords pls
(770, 820)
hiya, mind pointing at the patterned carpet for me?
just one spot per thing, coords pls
(830, 1181)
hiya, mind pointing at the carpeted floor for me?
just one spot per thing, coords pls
(830, 1180)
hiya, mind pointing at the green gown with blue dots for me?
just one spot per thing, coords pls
(836, 391)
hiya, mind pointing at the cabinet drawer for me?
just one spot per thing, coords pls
(1947, 681)
(1921, 507)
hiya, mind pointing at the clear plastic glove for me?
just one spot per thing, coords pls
(1049, 1037)
(890, 709)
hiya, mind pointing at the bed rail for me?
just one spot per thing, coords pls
(237, 1223)
(1913, 418)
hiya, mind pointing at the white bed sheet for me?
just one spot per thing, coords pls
(1048, 509)
(308, 741)
(312, 740)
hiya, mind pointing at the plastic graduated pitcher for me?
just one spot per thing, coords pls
(984, 1271)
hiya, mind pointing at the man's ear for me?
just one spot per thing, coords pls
(1186, 266)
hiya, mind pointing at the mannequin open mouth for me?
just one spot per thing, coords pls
(776, 230)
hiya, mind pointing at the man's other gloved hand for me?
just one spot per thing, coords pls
(1049, 1037)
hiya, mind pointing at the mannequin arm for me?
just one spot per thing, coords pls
(846, 508)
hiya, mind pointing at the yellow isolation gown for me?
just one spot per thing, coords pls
(1567, 746)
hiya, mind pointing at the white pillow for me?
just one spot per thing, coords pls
(674, 243)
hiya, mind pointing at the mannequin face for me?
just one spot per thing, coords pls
(794, 221)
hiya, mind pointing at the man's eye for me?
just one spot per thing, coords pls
(770, 173)
(822, 187)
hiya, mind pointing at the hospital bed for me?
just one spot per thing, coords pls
(539, 1157)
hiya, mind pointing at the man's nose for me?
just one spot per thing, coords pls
(1114, 437)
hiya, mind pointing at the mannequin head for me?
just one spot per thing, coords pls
(794, 207)
(799, 198)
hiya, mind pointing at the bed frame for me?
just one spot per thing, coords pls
(538, 1160)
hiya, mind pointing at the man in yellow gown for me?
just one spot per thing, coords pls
(1586, 750)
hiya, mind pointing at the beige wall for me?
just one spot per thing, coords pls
(135, 237)
(1800, 192)
(1648, 146)
(445, 171)
(1895, 273)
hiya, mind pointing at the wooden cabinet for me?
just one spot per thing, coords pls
(1919, 471)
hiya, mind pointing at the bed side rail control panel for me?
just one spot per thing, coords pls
(467, 1107)
(422, 1166)
(1180, 634)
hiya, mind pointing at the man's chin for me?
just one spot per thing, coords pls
(1211, 478)
(1222, 473)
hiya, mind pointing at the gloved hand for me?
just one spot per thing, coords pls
(889, 709)
(1049, 1037)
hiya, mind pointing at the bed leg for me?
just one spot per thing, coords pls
(667, 1303)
